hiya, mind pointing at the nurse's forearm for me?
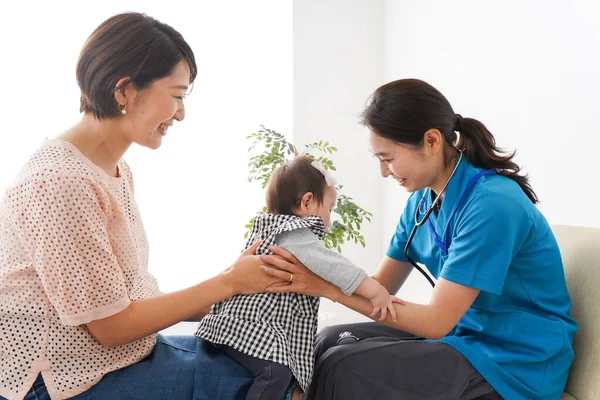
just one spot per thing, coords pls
(419, 319)
(448, 304)
(392, 274)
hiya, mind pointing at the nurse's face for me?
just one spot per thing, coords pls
(413, 168)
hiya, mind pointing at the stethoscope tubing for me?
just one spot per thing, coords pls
(426, 217)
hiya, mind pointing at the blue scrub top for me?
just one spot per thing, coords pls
(518, 333)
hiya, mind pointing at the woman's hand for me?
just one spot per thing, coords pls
(245, 275)
(293, 276)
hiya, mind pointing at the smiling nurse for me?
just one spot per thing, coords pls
(498, 322)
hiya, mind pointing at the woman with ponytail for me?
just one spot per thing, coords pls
(498, 323)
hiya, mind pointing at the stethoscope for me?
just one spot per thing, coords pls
(422, 217)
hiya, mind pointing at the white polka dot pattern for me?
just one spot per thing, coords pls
(72, 250)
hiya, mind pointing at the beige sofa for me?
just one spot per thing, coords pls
(580, 249)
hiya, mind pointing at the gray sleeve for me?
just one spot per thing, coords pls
(328, 264)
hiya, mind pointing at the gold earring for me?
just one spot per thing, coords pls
(123, 108)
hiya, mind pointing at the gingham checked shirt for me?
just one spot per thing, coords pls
(279, 327)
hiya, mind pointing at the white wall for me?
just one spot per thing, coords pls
(337, 63)
(529, 71)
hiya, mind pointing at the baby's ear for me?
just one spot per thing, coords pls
(306, 202)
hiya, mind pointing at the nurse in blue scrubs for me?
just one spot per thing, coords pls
(498, 323)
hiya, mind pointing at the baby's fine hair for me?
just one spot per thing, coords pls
(290, 181)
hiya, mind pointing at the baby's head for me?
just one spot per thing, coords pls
(299, 188)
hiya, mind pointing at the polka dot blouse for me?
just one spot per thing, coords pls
(72, 250)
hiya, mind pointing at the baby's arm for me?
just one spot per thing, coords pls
(328, 264)
(335, 268)
(379, 297)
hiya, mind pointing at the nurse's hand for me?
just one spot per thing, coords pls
(294, 276)
(245, 275)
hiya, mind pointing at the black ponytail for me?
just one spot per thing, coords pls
(405, 109)
(479, 146)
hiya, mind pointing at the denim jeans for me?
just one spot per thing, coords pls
(179, 368)
(37, 392)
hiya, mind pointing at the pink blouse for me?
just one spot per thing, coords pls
(72, 250)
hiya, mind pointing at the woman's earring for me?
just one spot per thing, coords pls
(123, 108)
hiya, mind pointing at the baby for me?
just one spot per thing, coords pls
(272, 334)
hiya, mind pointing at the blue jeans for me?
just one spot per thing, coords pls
(179, 368)
(37, 392)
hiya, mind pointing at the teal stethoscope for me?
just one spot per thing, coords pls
(423, 212)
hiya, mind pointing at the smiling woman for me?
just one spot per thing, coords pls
(232, 94)
(130, 96)
(79, 310)
(490, 249)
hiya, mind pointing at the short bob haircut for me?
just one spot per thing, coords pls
(128, 44)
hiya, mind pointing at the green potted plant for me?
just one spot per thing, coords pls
(347, 217)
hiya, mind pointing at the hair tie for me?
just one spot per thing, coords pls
(329, 179)
(458, 122)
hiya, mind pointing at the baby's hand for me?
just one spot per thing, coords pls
(383, 302)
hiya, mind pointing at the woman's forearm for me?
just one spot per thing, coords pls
(448, 303)
(198, 317)
(418, 319)
(392, 274)
(144, 317)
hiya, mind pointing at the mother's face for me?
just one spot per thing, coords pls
(151, 111)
